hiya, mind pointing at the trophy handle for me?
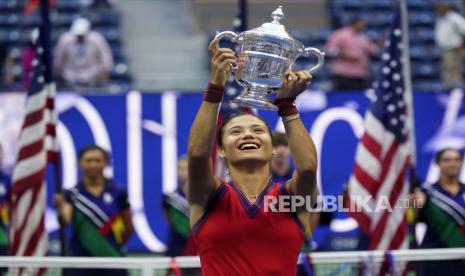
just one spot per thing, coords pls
(231, 36)
(228, 34)
(320, 55)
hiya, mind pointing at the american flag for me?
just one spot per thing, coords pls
(36, 148)
(232, 88)
(383, 153)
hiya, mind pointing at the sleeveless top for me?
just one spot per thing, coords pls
(236, 237)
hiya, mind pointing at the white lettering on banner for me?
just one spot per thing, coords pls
(68, 156)
(135, 173)
(322, 123)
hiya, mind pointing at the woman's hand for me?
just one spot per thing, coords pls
(294, 84)
(221, 62)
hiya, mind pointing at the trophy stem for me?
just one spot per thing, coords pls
(256, 96)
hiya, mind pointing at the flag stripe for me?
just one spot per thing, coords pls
(380, 226)
(36, 237)
(378, 133)
(367, 162)
(29, 211)
(363, 177)
(29, 166)
(387, 186)
(35, 218)
(31, 150)
(372, 145)
(393, 222)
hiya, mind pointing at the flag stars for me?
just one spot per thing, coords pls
(400, 104)
(40, 79)
(396, 77)
(40, 50)
(386, 70)
(386, 84)
(231, 91)
(237, 22)
(233, 105)
(399, 90)
(35, 62)
(400, 46)
(397, 32)
(391, 108)
(394, 121)
(393, 63)
(386, 56)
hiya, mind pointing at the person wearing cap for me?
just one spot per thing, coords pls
(82, 57)
(450, 37)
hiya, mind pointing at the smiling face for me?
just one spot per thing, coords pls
(246, 138)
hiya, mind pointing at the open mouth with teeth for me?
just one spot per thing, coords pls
(249, 146)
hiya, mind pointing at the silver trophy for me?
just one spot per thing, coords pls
(266, 54)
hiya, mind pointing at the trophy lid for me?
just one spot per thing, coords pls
(274, 29)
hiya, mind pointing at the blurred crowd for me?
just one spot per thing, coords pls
(83, 58)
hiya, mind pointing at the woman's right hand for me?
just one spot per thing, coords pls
(221, 62)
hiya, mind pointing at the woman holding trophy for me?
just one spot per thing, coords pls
(234, 233)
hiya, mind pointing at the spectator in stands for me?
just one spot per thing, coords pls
(98, 211)
(6, 66)
(351, 50)
(176, 209)
(83, 57)
(442, 207)
(28, 55)
(4, 194)
(450, 37)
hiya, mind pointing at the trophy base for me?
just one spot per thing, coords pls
(256, 97)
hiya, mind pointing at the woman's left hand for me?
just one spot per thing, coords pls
(294, 84)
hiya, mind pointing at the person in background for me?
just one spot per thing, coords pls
(98, 211)
(28, 55)
(450, 37)
(176, 209)
(350, 51)
(281, 169)
(442, 208)
(6, 66)
(82, 57)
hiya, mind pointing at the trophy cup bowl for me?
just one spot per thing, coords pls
(266, 54)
